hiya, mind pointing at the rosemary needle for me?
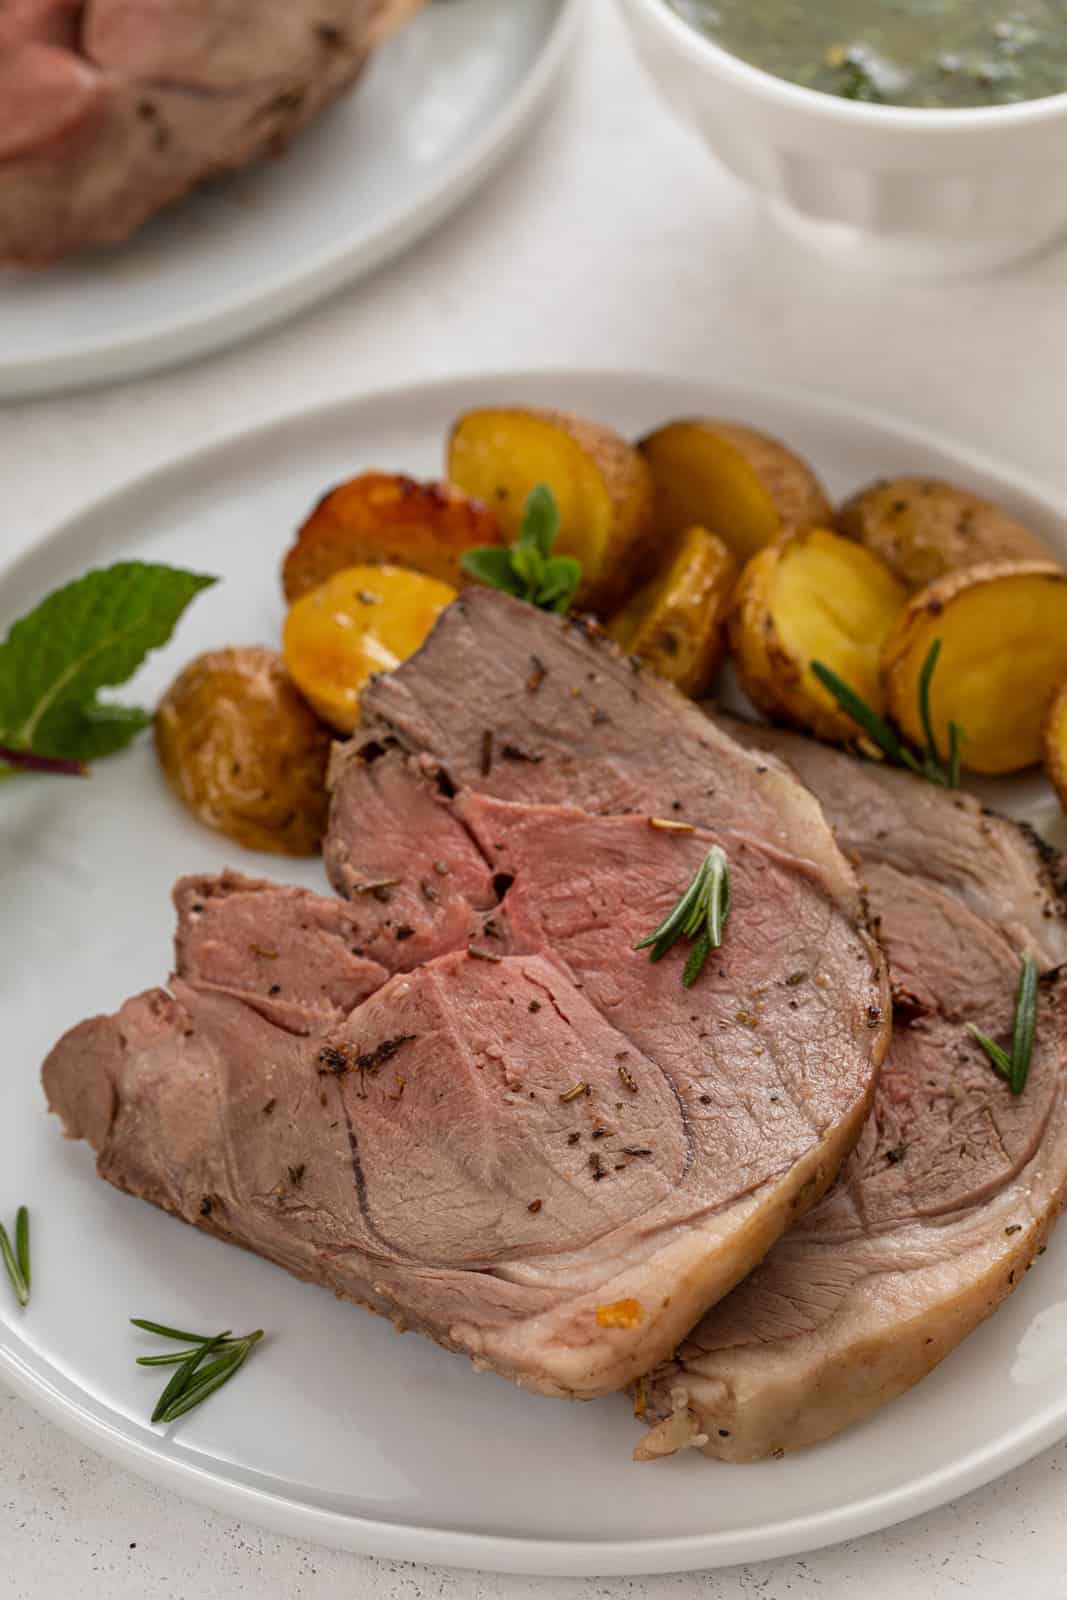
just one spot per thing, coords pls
(212, 1377)
(182, 1378)
(170, 1333)
(1014, 1068)
(16, 1257)
(22, 1243)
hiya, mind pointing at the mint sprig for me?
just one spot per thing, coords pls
(527, 568)
(88, 635)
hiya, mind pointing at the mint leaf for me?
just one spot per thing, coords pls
(85, 733)
(88, 635)
(528, 562)
(559, 585)
(528, 569)
(540, 520)
(491, 564)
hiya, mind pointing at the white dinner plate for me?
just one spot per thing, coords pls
(439, 106)
(338, 1429)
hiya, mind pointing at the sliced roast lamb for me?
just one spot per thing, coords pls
(460, 1095)
(112, 109)
(955, 1181)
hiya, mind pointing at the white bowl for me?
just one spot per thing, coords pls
(916, 193)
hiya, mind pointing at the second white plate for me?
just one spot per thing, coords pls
(339, 1430)
(440, 105)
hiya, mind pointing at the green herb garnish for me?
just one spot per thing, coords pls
(1015, 1068)
(16, 1258)
(527, 568)
(928, 763)
(196, 1377)
(89, 635)
(700, 915)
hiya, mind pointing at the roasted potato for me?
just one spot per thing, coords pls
(383, 518)
(923, 528)
(1003, 633)
(812, 596)
(601, 485)
(743, 485)
(676, 622)
(361, 621)
(241, 749)
(1054, 743)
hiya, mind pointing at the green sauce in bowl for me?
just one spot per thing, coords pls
(940, 53)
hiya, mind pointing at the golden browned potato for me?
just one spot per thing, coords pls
(1054, 743)
(384, 518)
(1003, 633)
(676, 622)
(923, 528)
(241, 749)
(743, 485)
(361, 621)
(812, 596)
(602, 487)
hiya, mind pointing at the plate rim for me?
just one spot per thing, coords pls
(495, 1552)
(164, 343)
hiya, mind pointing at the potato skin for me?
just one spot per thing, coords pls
(1054, 743)
(602, 487)
(784, 615)
(1003, 632)
(743, 485)
(924, 527)
(676, 622)
(243, 752)
(387, 519)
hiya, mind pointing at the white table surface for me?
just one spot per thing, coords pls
(611, 241)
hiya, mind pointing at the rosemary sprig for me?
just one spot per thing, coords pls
(16, 1257)
(196, 1377)
(700, 915)
(1015, 1068)
(527, 568)
(928, 763)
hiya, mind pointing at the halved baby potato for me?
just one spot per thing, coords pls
(676, 622)
(1003, 633)
(813, 596)
(361, 621)
(924, 527)
(602, 487)
(1054, 743)
(743, 485)
(241, 749)
(385, 518)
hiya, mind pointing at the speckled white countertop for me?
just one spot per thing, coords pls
(611, 241)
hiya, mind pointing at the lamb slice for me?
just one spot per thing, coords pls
(601, 1154)
(425, 1156)
(1000, 867)
(954, 1184)
(114, 109)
